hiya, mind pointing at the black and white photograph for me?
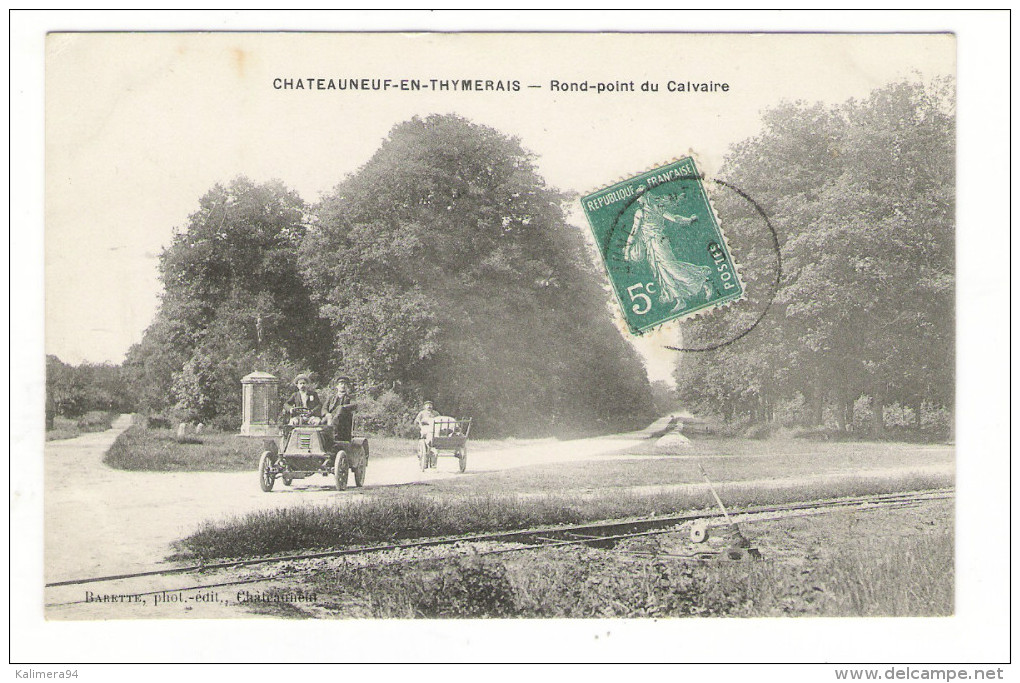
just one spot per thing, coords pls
(437, 332)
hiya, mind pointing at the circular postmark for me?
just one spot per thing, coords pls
(616, 243)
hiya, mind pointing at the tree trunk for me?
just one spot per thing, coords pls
(877, 416)
(841, 411)
(817, 406)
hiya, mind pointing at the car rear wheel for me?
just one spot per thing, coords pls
(341, 470)
(266, 476)
(359, 475)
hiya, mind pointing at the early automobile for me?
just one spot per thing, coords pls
(308, 449)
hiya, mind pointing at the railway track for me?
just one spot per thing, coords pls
(594, 534)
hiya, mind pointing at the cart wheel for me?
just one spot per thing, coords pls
(341, 471)
(462, 456)
(266, 476)
(359, 475)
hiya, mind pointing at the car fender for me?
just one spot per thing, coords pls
(356, 449)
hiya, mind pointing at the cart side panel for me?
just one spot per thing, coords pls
(448, 443)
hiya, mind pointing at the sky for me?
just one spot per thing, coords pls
(139, 126)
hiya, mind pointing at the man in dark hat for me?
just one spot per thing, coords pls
(340, 410)
(302, 400)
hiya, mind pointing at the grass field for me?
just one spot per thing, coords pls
(68, 428)
(398, 514)
(896, 562)
(724, 460)
(141, 448)
(842, 564)
(594, 490)
(158, 450)
(732, 446)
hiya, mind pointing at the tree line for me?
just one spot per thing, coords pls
(74, 390)
(861, 321)
(443, 269)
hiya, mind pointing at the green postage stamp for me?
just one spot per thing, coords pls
(662, 245)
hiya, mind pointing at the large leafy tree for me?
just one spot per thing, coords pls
(233, 301)
(447, 270)
(862, 196)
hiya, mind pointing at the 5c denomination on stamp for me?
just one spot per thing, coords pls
(662, 246)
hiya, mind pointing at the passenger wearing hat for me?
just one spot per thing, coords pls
(340, 410)
(304, 399)
(424, 420)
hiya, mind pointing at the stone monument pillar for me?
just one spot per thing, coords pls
(259, 404)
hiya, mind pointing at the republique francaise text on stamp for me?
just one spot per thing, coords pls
(662, 245)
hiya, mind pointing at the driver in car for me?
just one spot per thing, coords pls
(304, 401)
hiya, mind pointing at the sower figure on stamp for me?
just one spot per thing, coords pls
(677, 280)
(340, 410)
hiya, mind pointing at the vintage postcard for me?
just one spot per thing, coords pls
(421, 326)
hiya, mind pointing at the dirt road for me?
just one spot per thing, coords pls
(101, 521)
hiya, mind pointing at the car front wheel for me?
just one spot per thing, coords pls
(266, 476)
(341, 470)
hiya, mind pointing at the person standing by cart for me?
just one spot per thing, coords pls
(424, 420)
(340, 410)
